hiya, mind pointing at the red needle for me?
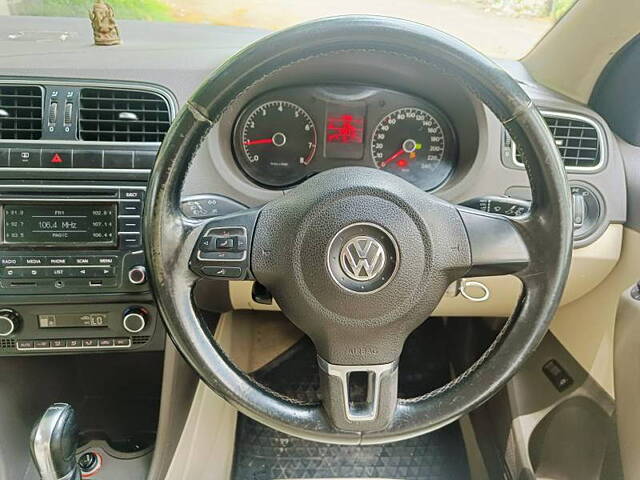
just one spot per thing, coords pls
(392, 158)
(257, 142)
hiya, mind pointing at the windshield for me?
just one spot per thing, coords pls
(498, 28)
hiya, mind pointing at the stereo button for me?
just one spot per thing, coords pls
(104, 260)
(130, 208)
(10, 272)
(57, 261)
(137, 275)
(81, 260)
(131, 194)
(34, 272)
(131, 240)
(80, 272)
(34, 261)
(129, 224)
(9, 261)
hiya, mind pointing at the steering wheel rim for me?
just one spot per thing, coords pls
(170, 238)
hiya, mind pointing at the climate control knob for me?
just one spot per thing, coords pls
(135, 319)
(10, 321)
(137, 275)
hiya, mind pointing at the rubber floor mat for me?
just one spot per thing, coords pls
(262, 453)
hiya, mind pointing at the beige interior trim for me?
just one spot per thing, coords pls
(205, 449)
(586, 326)
(626, 361)
(570, 58)
(477, 467)
(590, 266)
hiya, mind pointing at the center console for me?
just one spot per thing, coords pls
(73, 275)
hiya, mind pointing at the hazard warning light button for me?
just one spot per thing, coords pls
(56, 158)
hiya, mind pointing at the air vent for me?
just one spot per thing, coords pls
(141, 339)
(578, 138)
(7, 343)
(117, 115)
(20, 112)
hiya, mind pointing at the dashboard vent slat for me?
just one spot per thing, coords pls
(20, 112)
(578, 139)
(119, 115)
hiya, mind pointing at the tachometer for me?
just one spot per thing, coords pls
(275, 142)
(413, 143)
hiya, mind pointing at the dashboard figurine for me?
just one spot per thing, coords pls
(103, 22)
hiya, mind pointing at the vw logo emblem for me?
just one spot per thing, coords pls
(362, 258)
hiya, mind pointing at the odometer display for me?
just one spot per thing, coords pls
(275, 142)
(414, 144)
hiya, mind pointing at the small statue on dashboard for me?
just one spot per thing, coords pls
(103, 22)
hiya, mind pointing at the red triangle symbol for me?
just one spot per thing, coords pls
(56, 158)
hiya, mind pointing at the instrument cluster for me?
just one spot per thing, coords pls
(287, 135)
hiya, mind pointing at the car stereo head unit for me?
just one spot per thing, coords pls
(64, 224)
(71, 239)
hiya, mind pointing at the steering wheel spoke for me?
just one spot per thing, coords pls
(223, 248)
(497, 244)
(359, 398)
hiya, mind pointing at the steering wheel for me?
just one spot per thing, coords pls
(358, 258)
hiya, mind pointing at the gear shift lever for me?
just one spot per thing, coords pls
(54, 441)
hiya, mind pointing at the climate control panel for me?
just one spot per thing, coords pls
(79, 328)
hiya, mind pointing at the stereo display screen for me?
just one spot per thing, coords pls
(60, 224)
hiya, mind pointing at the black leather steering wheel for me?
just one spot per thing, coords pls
(357, 258)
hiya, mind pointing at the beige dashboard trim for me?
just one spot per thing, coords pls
(590, 266)
(570, 58)
(205, 449)
(586, 326)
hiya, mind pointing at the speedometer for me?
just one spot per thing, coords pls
(416, 145)
(275, 142)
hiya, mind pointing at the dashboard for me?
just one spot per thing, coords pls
(348, 109)
(286, 135)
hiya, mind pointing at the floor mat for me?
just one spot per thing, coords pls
(264, 454)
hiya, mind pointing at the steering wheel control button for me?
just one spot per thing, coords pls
(363, 258)
(135, 320)
(225, 243)
(10, 321)
(222, 249)
(222, 271)
(137, 275)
